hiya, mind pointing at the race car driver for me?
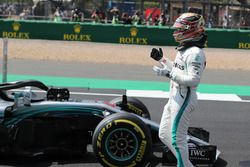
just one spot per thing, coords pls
(185, 74)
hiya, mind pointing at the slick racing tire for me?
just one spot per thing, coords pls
(133, 106)
(122, 139)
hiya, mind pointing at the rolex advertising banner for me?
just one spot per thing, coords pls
(122, 34)
(228, 38)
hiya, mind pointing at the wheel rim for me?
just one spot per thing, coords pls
(121, 144)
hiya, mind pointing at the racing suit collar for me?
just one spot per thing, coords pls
(200, 43)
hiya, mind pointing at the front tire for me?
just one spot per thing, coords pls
(122, 140)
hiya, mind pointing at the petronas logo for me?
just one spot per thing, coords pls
(133, 32)
(77, 28)
(16, 26)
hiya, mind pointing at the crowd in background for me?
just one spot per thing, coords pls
(114, 16)
(8, 9)
(124, 18)
(111, 16)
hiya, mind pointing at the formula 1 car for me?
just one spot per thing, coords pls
(120, 131)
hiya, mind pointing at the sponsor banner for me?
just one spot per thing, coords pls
(132, 38)
(77, 35)
(121, 34)
(228, 38)
(15, 31)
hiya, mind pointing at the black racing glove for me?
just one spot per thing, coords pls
(156, 54)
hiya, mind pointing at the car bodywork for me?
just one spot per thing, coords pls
(56, 124)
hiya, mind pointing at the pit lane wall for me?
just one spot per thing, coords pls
(122, 34)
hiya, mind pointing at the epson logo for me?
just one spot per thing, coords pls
(181, 67)
(199, 153)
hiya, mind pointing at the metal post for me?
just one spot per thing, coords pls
(162, 5)
(141, 6)
(185, 6)
(5, 59)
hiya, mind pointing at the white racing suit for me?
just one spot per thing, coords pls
(185, 77)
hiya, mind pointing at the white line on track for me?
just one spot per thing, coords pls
(161, 94)
(201, 96)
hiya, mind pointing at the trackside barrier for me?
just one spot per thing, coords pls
(122, 34)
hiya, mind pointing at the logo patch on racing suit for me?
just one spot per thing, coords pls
(176, 65)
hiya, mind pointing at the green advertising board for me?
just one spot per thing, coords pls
(122, 34)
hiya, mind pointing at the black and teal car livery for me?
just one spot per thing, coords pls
(120, 131)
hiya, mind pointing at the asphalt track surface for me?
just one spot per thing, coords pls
(227, 122)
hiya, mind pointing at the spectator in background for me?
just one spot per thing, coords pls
(77, 15)
(149, 20)
(23, 15)
(136, 19)
(1, 10)
(230, 21)
(210, 23)
(11, 10)
(115, 13)
(162, 20)
(126, 19)
(57, 15)
(156, 20)
(242, 23)
(102, 16)
(96, 16)
(225, 21)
